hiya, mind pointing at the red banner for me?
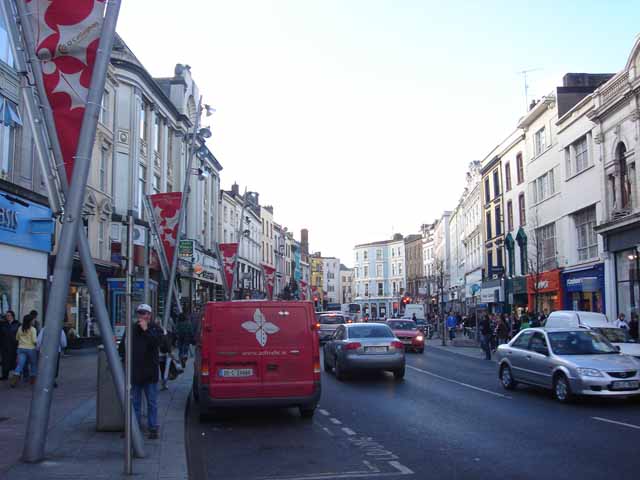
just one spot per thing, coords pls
(166, 210)
(67, 33)
(269, 279)
(229, 252)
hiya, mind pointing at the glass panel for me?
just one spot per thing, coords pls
(32, 296)
(9, 295)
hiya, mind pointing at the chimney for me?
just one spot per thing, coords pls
(304, 241)
(235, 189)
(532, 104)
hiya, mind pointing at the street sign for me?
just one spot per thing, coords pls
(185, 250)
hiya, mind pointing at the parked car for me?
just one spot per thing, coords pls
(408, 333)
(598, 322)
(570, 362)
(364, 346)
(257, 353)
(328, 322)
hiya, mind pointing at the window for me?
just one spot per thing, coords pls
(544, 186)
(539, 142)
(6, 55)
(523, 340)
(582, 155)
(499, 256)
(520, 168)
(399, 269)
(364, 255)
(490, 259)
(378, 270)
(488, 220)
(104, 108)
(366, 289)
(100, 239)
(366, 271)
(496, 183)
(355, 272)
(507, 176)
(7, 145)
(487, 191)
(142, 121)
(104, 152)
(356, 256)
(547, 246)
(156, 133)
(156, 184)
(498, 220)
(226, 214)
(523, 212)
(142, 187)
(585, 220)
(393, 269)
(509, 216)
(625, 180)
(380, 289)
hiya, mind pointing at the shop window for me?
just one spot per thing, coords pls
(21, 295)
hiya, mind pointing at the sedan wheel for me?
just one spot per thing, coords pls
(327, 367)
(561, 389)
(399, 374)
(506, 378)
(338, 370)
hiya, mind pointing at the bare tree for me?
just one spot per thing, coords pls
(538, 260)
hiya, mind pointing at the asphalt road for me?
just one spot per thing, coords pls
(449, 419)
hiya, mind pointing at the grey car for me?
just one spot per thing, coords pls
(329, 322)
(364, 346)
(570, 362)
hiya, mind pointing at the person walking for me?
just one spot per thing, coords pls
(485, 336)
(184, 331)
(502, 331)
(34, 320)
(145, 339)
(621, 322)
(8, 344)
(451, 326)
(61, 347)
(27, 338)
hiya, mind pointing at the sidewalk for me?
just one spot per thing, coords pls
(459, 346)
(75, 450)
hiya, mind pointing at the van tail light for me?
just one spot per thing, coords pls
(316, 366)
(397, 344)
(316, 326)
(204, 369)
(352, 346)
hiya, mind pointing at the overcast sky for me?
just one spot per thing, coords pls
(357, 119)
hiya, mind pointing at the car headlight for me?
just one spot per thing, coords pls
(589, 372)
(419, 338)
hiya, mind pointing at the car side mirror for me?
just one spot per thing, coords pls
(617, 347)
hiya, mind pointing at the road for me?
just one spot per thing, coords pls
(449, 419)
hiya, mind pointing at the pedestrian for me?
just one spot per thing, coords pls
(27, 338)
(61, 347)
(145, 339)
(413, 317)
(515, 325)
(633, 326)
(485, 336)
(621, 322)
(34, 320)
(524, 322)
(8, 343)
(451, 326)
(502, 331)
(184, 331)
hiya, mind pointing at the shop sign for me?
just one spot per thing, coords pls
(185, 249)
(584, 284)
(25, 224)
(491, 295)
(545, 282)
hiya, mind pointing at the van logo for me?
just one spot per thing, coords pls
(260, 327)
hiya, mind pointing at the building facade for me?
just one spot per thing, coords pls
(331, 280)
(414, 262)
(346, 284)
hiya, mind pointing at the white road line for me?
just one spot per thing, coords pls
(324, 412)
(630, 425)
(370, 467)
(348, 431)
(401, 468)
(459, 383)
(335, 421)
(330, 476)
(328, 431)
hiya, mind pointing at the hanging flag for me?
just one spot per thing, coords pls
(166, 213)
(270, 278)
(229, 252)
(67, 33)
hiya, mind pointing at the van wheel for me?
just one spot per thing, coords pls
(338, 371)
(506, 378)
(562, 389)
(307, 412)
(399, 374)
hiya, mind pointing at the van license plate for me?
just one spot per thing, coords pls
(376, 349)
(235, 372)
(625, 385)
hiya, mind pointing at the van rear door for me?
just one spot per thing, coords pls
(290, 351)
(235, 354)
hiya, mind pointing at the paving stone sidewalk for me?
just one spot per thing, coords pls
(75, 450)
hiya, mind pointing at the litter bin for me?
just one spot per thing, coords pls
(109, 414)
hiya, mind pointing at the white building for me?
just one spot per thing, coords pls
(442, 257)
(471, 235)
(346, 284)
(331, 279)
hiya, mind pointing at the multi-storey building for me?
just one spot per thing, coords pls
(414, 262)
(456, 260)
(471, 236)
(346, 284)
(380, 277)
(441, 259)
(280, 259)
(317, 280)
(266, 218)
(331, 279)
(428, 258)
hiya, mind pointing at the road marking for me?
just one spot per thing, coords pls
(335, 421)
(370, 467)
(329, 476)
(401, 468)
(348, 431)
(328, 431)
(630, 425)
(324, 412)
(459, 383)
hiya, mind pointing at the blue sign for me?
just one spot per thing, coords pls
(25, 224)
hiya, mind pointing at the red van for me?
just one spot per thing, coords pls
(258, 353)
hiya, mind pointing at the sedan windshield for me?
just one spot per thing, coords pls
(370, 331)
(616, 335)
(579, 343)
(402, 325)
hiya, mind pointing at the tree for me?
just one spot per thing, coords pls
(538, 260)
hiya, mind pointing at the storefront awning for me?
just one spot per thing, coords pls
(9, 114)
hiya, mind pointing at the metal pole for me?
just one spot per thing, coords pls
(128, 348)
(181, 216)
(93, 282)
(42, 395)
(147, 293)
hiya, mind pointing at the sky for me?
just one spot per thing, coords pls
(357, 119)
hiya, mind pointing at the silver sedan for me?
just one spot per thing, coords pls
(569, 362)
(364, 346)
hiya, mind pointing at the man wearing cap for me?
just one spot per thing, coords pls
(146, 337)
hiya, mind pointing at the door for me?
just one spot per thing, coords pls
(517, 354)
(288, 350)
(540, 365)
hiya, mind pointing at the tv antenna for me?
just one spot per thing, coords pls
(526, 85)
